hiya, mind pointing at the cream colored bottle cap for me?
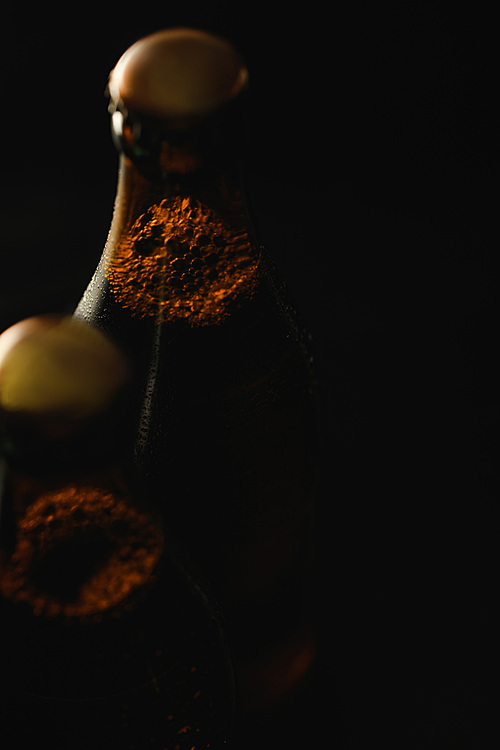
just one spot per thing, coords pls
(177, 74)
(57, 365)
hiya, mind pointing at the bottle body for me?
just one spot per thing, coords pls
(227, 427)
(107, 640)
(110, 639)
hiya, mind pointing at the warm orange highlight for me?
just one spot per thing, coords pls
(95, 550)
(271, 678)
(182, 261)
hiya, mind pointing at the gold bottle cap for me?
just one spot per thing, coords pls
(54, 365)
(178, 74)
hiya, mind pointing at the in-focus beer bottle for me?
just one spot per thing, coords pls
(107, 639)
(227, 417)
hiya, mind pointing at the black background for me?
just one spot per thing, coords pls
(372, 171)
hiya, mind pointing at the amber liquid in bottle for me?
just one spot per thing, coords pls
(227, 415)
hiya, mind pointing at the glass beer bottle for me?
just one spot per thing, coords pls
(227, 432)
(108, 640)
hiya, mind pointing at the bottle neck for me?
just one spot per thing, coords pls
(59, 445)
(177, 172)
(180, 245)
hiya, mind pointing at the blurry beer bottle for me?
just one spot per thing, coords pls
(108, 641)
(227, 429)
